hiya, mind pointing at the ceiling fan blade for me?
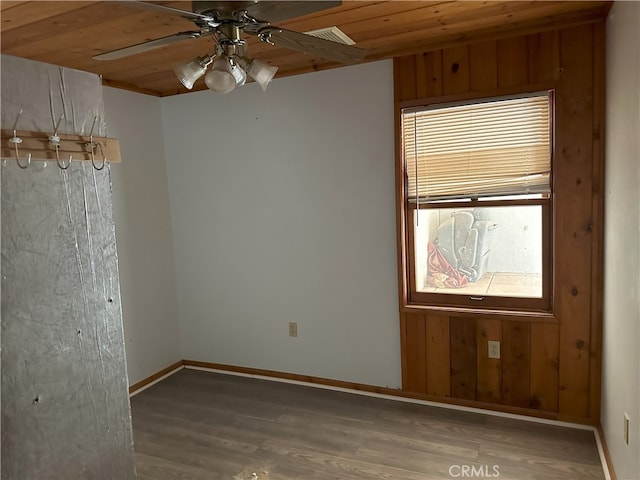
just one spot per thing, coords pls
(146, 46)
(275, 12)
(175, 11)
(313, 45)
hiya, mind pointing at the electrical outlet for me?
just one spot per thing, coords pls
(626, 428)
(293, 329)
(494, 349)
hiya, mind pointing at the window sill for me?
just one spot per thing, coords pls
(547, 317)
(520, 285)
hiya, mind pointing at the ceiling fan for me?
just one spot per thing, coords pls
(226, 22)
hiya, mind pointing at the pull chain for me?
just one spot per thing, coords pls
(415, 162)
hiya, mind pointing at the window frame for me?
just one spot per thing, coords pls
(410, 297)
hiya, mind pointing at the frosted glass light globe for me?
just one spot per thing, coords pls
(220, 78)
(221, 82)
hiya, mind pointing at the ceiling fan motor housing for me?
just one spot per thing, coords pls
(222, 8)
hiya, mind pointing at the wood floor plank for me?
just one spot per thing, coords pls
(148, 466)
(199, 425)
(512, 458)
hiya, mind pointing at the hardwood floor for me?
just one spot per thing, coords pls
(202, 425)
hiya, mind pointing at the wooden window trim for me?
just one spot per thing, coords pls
(503, 307)
(542, 304)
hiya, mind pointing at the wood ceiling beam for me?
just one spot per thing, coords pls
(409, 44)
(69, 33)
(5, 5)
(24, 13)
(106, 24)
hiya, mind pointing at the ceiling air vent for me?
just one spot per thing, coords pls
(333, 34)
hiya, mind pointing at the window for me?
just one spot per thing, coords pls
(477, 203)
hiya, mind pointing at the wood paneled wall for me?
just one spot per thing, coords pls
(549, 366)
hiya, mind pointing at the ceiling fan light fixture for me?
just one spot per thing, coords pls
(220, 78)
(261, 73)
(191, 71)
(226, 23)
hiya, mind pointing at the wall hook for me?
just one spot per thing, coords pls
(54, 140)
(16, 140)
(92, 146)
(104, 158)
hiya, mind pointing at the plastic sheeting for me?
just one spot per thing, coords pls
(65, 404)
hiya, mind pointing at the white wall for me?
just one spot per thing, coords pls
(143, 233)
(283, 210)
(621, 360)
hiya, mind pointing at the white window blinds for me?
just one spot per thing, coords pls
(499, 147)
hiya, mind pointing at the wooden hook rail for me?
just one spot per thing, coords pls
(78, 146)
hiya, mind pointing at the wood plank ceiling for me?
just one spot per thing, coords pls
(70, 33)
